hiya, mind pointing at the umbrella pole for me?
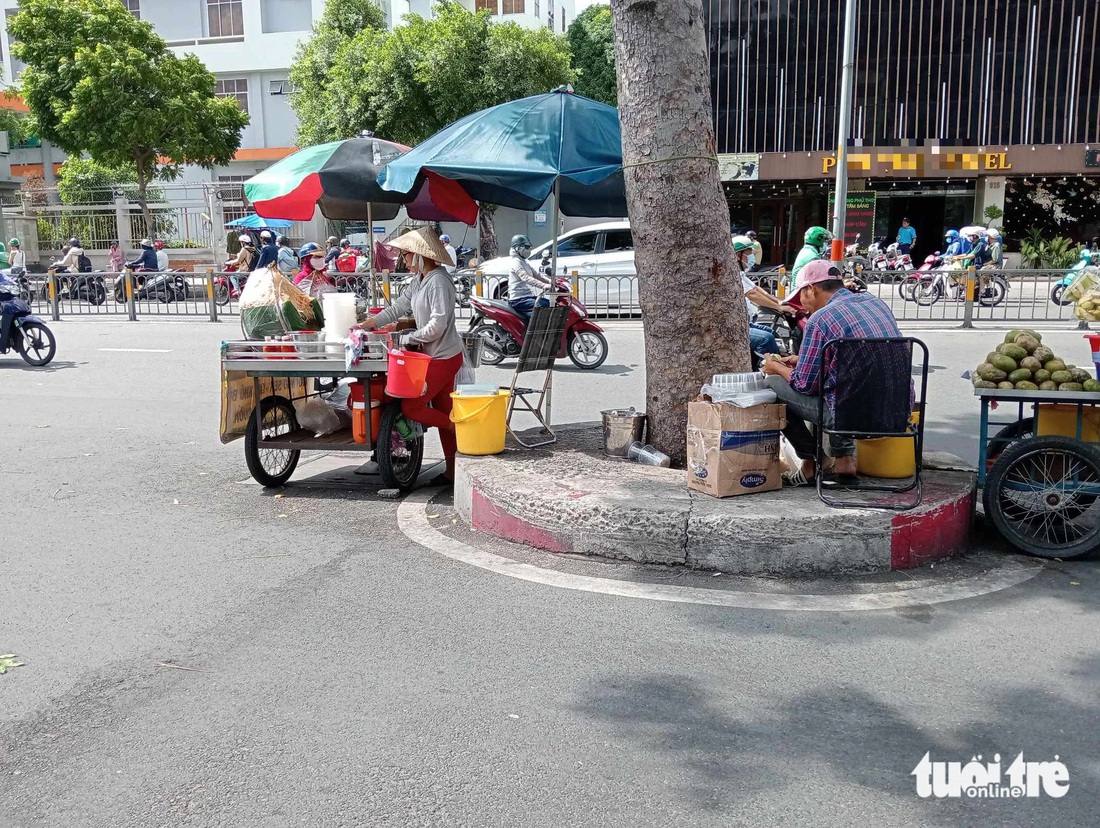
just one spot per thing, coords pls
(554, 254)
(370, 254)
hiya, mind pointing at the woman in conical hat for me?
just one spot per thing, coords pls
(430, 300)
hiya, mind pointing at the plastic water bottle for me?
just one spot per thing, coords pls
(647, 455)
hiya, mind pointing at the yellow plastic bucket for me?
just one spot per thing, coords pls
(891, 458)
(480, 422)
(1061, 419)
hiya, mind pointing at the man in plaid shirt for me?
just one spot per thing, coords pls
(836, 313)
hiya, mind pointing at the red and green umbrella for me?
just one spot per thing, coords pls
(341, 178)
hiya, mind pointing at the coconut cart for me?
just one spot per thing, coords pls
(266, 384)
(1040, 473)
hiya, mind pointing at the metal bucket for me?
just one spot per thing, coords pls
(621, 427)
(472, 344)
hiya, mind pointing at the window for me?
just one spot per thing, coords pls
(577, 245)
(234, 88)
(134, 7)
(280, 87)
(536, 9)
(513, 6)
(618, 241)
(226, 18)
(563, 20)
(486, 5)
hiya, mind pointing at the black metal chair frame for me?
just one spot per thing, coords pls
(541, 344)
(912, 431)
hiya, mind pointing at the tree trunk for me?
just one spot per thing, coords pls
(143, 201)
(487, 235)
(693, 307)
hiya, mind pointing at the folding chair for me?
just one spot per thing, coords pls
(541, 344)
(874, 398)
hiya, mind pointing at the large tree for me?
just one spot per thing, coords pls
(693, 308)
(593, 48)
(407, 84)
(100, 81)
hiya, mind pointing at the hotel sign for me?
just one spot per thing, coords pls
(919, 163)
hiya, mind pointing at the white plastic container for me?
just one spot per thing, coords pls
(339, 311)
(739, 383)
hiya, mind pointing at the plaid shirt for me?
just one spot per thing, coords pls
(846, 315)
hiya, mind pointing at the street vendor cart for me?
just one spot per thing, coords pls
(1040, 472)
(264, 385)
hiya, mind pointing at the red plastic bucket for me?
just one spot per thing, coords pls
(406, 375)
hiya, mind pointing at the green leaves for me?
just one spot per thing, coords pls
(407, 84)
(593, 48)
(8, 661)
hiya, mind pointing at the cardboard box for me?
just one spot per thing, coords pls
(734, 451)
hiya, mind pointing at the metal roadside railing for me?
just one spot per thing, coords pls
(966, 299)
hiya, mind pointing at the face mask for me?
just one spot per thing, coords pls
(317, 262)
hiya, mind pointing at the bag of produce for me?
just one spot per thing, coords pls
(1086, 280)
(1088, 306)
(271, 304)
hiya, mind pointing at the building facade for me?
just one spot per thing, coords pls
(959, 106)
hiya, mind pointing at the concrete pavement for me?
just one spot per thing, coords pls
(352, 676)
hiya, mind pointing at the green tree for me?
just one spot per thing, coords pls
(100, 81)
(593, 47)
(407, 84)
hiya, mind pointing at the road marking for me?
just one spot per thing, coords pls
(413, 521)
(137, 350)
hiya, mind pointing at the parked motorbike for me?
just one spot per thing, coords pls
(18, 276)
(502, 330)
(163, 286)
(1089, 258)
(855, 260)
(84, 287)
(22, 330)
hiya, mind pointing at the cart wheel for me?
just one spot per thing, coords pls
(399, 459)
(271, 467)
(1011, 433)
(1041, 495)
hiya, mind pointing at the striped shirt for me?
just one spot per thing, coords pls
(847, 315)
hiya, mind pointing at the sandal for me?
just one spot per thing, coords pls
(847, 481)
(796, 477)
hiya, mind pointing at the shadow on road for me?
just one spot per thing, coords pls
(53, 367)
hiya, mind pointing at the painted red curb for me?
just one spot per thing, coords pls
(487, 517)
(940, 532)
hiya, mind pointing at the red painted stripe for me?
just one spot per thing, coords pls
(918, 537)
(486, 516)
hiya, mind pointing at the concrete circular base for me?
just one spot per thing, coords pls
(570, 498)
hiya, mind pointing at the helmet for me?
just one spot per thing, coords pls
(13, 243)
(243, 238)
(282, 240)
(951, 235)
(331, 240)
(520, 241)
(973, 236)
(751, 234)
(993, 232)
(74, 242)
(158, 244)
(818, 236)
(306, 249)
(146, 243)
(445, 238)
(344, 243)
(741, 244)
(265, 234)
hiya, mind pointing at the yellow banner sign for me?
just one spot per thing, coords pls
(239, 398)
(919, 163)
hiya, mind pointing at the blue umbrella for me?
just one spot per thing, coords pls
(517, 153)
(255, 222)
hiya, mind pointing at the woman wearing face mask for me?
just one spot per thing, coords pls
(430, 299)
(312, 277)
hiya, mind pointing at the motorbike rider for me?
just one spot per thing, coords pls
(761, 337)
(816, 245)
(72, 259)
(996, 249)
(756, 258)
(954, 244)
(162, 255)
(525, 283)
(269, 251)
(450, 249)
(116, 261)
(288, 259)
(148, 258)
(17, 257)
(314, 272)
(243, 260)
(333, 250)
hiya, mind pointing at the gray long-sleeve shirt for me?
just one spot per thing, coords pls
(431, 301)
(524, 280)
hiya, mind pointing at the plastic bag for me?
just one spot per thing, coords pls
(741, 399)
(316, 416)
(1088, 306)
(789, 461)
(466, 374)
(271, 304)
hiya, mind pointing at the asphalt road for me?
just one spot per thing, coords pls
(342, 675)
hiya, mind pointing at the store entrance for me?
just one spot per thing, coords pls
(930, 215)
(770, 219)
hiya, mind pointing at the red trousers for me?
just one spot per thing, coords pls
(434, 408)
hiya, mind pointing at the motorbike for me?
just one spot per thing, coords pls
(855, 260)
(950, 284)
(502, 330)
(1088, 259)
(84, 287)
(164, 286)
(224, 289)
(18, 276)
(887, 259)
(908, 286)
(22, 330)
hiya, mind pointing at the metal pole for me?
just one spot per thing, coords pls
(370, 254)
(55, 310)
(968, 307)
(210, 303)
(554, 255)
(128, 286)
(844, 129)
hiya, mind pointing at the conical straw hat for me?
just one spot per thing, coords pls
(424, 241)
